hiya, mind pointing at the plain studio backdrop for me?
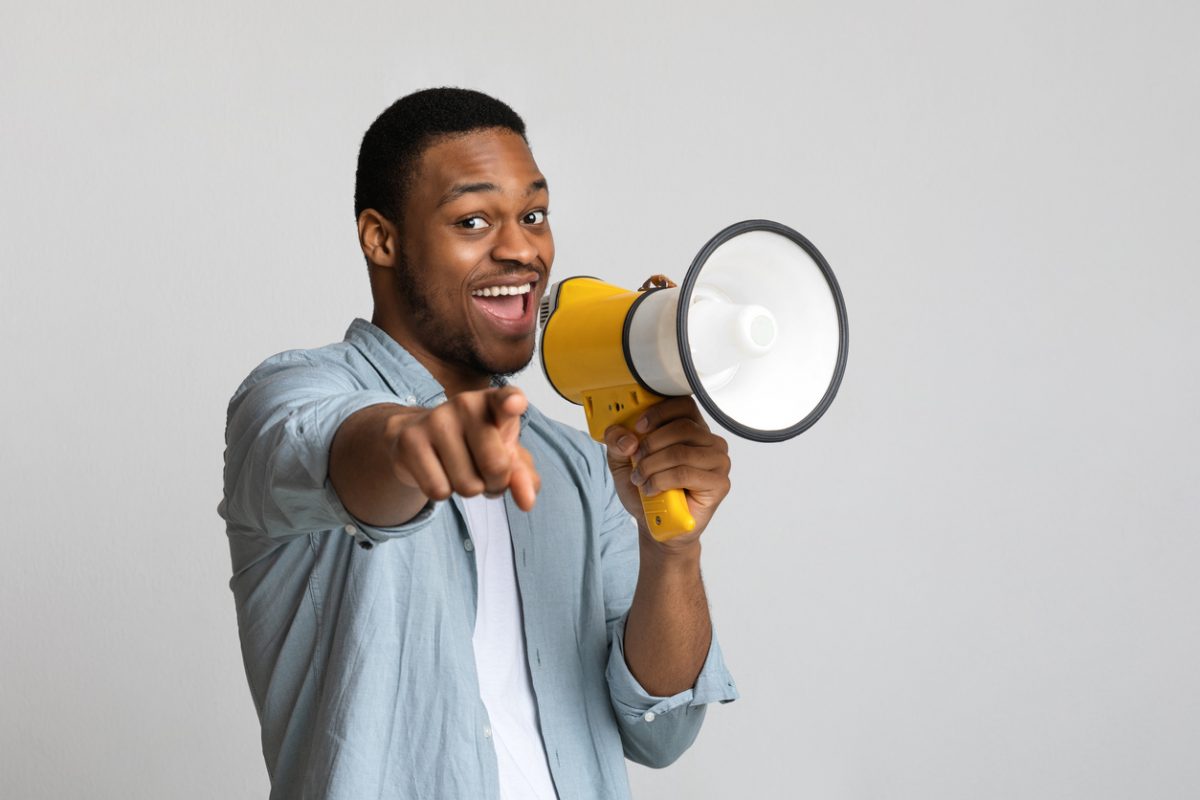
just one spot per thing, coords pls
(976, 577)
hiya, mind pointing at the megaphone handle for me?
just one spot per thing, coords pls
(667, 514)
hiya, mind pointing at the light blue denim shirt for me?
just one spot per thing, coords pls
(357, 639)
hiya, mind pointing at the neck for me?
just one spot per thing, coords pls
(395, 319)
(452, 377)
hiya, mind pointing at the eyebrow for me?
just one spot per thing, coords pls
(469, 188)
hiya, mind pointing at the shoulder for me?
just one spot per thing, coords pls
(337, 366)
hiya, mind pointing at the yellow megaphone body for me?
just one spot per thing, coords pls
(757, 332)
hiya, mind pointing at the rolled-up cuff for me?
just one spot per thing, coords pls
(368, 536)
(630, 699)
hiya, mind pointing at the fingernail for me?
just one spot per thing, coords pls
(626, 442)
(643, 425)
(636, 478)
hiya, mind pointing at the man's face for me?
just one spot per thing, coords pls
(476, 251)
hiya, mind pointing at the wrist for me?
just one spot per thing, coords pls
(672, 555)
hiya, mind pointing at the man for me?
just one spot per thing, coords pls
(440, 592)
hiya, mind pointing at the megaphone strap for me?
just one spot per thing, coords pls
(657, 282)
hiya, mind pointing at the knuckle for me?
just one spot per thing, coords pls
(440, 423)
(649, 464)
(438, 490)
(410, 438)
(462, 406)
(674, 479)
(668, 430)
(471, 486)
(661, 481)
(676, 452)
(493, 464)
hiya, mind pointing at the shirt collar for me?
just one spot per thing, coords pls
(403, 374)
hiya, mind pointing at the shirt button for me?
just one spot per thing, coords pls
(350, 530)
(487, 731)
(468, 545)
(648, 716)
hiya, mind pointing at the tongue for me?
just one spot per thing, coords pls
(510, 306)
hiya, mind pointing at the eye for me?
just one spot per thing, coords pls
(534, 217)
(473, 223)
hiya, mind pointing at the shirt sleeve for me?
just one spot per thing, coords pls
(655, 730)
(280, 426)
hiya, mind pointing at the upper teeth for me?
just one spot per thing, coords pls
(496, 291)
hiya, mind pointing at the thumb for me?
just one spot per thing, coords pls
(621, 446)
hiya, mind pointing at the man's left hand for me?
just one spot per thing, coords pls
(676, 451)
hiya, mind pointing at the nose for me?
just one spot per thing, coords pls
(513, 245)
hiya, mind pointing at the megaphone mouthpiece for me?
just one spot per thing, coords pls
(723, 334)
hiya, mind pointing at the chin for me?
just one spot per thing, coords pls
(509, 364)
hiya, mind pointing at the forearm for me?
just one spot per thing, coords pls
(362, 467)
(668, 631)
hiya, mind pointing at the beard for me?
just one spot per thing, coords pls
(453, 346)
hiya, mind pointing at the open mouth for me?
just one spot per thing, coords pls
(508, 307)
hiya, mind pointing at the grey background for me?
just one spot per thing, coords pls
(974, 578)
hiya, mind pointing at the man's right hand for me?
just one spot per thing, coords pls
(469, 446)
(386, 461)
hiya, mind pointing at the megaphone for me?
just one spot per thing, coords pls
(757, 332)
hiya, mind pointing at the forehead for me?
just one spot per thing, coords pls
(493, 155)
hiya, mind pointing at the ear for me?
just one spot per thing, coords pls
(378, 238)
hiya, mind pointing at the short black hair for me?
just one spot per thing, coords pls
(393, 144)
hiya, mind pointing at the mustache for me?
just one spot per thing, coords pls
(514, 272)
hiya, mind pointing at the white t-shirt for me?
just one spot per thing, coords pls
(504, 679)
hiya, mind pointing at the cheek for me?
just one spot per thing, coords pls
(451, 262)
